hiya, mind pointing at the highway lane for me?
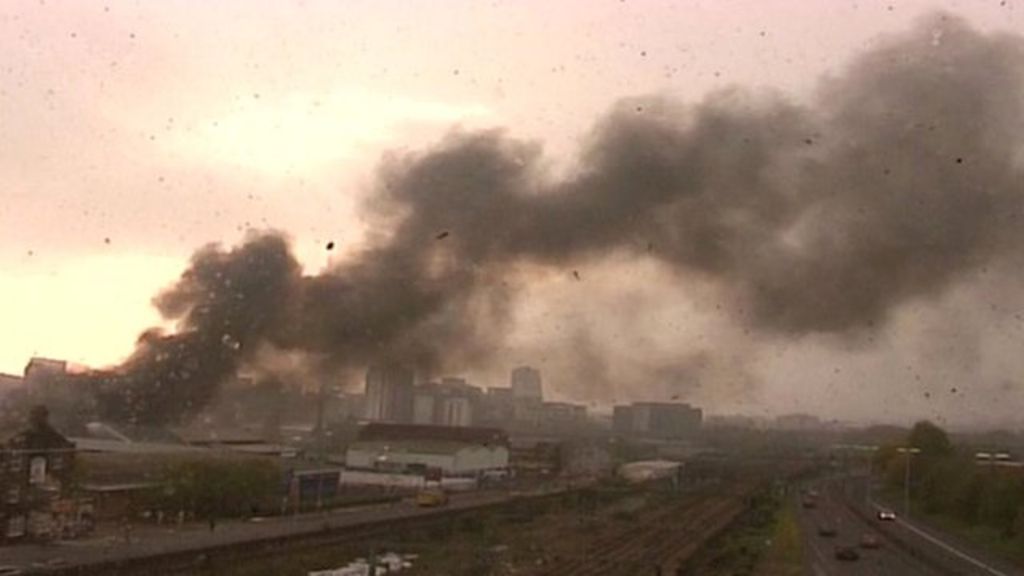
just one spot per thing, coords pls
(819, 552)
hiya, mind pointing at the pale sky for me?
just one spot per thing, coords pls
(132, 133)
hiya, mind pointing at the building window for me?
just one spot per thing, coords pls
(37, 470)
(13, 495)
(57, 462)
(15, 463)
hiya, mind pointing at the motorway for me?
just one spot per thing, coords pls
(819, 551)
(844, 502)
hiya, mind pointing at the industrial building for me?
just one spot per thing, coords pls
(425, 449)
(657, 420)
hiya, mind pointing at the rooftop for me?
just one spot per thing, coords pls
(410, 446)
(379, 431)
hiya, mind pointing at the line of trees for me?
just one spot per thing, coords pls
(217, 489)
(946, 480)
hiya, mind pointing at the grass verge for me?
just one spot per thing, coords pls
(784, 556)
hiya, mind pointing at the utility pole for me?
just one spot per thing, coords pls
(908, 452)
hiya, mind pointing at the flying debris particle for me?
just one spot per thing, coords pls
(330, 245)
(959, 160)
(808, 141)
(106, 240)
(643, 53)
(928, 395)
(576, 274)
(952, 390)
(650, 246)
(442, 235)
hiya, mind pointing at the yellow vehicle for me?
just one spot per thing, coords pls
(430, 497)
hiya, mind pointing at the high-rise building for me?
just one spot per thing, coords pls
(452, 402)
(389, 393)
(424, 405)
(456, 411)
(526, 383)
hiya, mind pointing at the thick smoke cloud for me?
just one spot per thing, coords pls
(225, 304)
(899, 179)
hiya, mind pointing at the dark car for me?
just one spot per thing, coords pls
(847, 553)
(827, 530)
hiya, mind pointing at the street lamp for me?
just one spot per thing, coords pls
(909, 451)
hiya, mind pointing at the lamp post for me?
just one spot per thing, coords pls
(908, 452)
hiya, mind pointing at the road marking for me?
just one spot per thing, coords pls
(945, 546)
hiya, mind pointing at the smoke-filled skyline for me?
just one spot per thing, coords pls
(899, 181)
(688, 247)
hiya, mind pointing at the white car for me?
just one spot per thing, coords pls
(886, 515)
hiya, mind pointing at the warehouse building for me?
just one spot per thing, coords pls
(429, 450)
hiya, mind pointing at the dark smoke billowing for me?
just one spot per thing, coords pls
(899, 179)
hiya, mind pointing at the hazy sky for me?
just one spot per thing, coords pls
(132, 133)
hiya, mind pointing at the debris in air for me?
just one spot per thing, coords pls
(330, 245)
(576, 274)
(442, 235)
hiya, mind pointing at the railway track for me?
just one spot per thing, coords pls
(663, 541)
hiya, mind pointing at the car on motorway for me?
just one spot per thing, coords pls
(870, 542)
(827, 531)
(847, 553)
(886, 515)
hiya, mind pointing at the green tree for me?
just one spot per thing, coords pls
(1000, 498)
(932, 441)
(215, 488)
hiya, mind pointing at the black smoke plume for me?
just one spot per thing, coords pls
(899, 178)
